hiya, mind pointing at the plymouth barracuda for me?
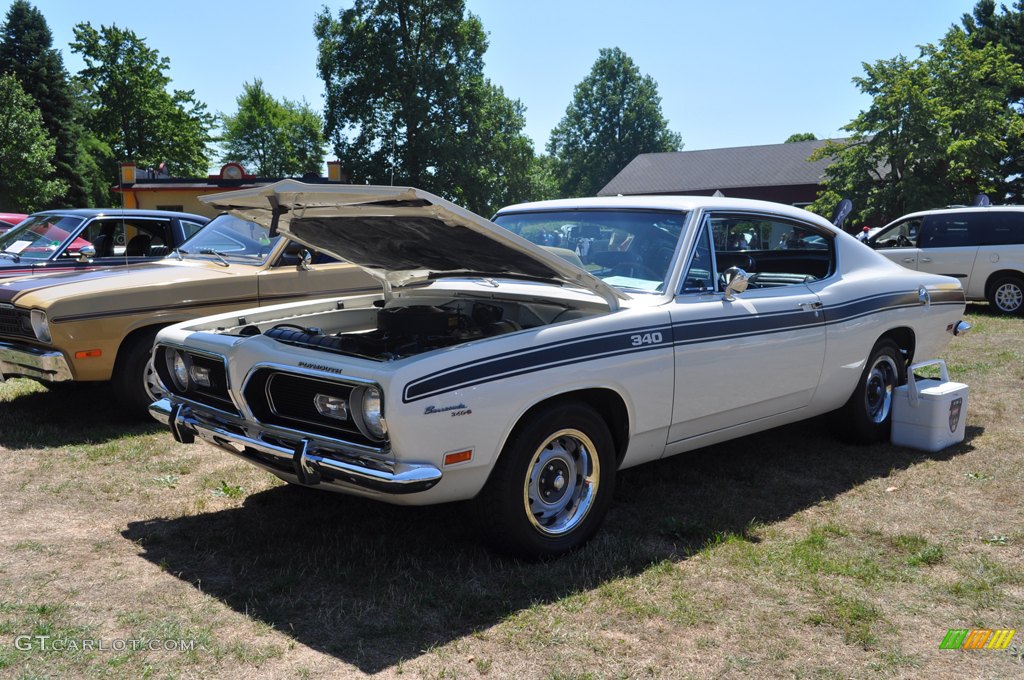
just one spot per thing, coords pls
(492, 369)
(99, 325)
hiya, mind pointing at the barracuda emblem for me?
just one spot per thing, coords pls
(459, 409)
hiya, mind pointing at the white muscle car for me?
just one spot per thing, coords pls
(492, 368)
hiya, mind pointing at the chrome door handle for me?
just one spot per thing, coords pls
(926, 259)
(810, 305)
(908, 259)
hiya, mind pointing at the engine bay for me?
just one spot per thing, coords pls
(408, 330)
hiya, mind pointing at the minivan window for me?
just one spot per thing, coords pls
(951, 231)
(1004, 228)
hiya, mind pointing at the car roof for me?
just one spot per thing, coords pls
(953, 210)
(681, 203)
(119, 212)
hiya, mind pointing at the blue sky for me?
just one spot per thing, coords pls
(730, 73)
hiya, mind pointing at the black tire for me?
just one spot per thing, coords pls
(552, 484)
(1006, 295)
(867, 416)
(135, 383)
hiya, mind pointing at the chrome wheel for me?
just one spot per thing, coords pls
(1008, 297)
(881, 380)
(562, 482)
(151, 382)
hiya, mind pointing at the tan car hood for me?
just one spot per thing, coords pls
(42, 290)
(402, 235)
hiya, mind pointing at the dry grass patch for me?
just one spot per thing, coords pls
(786, 554)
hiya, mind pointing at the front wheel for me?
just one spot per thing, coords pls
(552, 485)
(867, 416)
(135, 381)
(1006, 295)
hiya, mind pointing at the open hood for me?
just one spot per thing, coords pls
(401, 235)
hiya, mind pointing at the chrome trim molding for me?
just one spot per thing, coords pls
(332, 467)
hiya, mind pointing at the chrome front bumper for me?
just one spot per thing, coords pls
(25, 361)
(309, 462)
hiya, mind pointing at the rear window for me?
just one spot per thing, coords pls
(1004, 228)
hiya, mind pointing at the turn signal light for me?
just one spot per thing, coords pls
(89, 354)
(457, 457)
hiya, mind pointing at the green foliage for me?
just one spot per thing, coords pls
(25, 152)
(615, 115)
(272, 138)
(407, 102)
(940, 129)
(800, 137)
(129, 107)
(987, 27)
(27, 53)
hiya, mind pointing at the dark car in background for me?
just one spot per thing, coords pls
(62, 240)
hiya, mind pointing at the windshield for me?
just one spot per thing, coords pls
(40, 236)
(233, 239)
(628, 249)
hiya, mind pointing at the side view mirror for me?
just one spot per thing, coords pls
(86, 253)
(305, 261)
(735, 282)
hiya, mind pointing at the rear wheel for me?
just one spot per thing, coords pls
(867, 416)
(1006, 295)
(552, 485)
(135, 381)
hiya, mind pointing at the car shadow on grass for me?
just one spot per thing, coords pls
(375, 585)
(32, 416)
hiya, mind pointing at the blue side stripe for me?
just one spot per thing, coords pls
(619, 343)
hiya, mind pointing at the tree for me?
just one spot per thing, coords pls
(407, 102)
(25, 152)
(615, 115)
(129, 108)
(26, 52)
(272, 138)
(800, 137)
(940, 129)
(987, 27)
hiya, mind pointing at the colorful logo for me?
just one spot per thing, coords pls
(954, 413)
(965, 638)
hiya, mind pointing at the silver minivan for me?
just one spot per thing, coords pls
(983, 247)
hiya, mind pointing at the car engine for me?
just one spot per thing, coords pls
(405, 331)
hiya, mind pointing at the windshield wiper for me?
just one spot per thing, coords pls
(220, 256)
(178, 252)
(14, 256)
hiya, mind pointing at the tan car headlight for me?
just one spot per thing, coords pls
(40, 326)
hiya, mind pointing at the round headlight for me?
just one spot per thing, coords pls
(179, 369)
(40, 325)
(372, 412)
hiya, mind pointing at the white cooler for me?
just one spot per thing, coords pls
(929, 414)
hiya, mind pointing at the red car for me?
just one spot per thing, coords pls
(8, 220)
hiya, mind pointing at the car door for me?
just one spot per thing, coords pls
(759, 354)
(948, 244)
(286, 280)
(898, 242)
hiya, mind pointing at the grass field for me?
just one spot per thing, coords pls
(785, 554)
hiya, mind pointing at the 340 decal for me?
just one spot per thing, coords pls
(645, 339)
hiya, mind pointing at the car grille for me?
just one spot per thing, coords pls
(15, 323)
(215, 396)
(288, 400)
